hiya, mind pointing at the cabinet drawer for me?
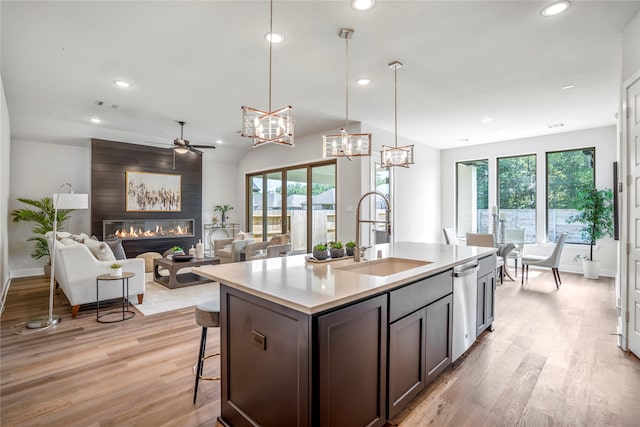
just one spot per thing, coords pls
(486, 265)
(408, 299)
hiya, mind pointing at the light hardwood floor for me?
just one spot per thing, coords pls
(552, 360)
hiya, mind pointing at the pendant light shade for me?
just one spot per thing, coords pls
(268, 126)
(346, 144)
(396, 156)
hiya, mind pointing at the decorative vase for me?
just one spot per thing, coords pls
(591, 268)
(337, 253)
(495, 227)
(115, 271)
(320, 255)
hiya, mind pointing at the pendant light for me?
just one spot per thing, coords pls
(346, 144)
(264, 127)
(396, 156)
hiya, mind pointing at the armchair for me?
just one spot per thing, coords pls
(231, 249)
(262, 250)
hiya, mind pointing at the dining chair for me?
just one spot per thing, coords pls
(552, 261)
(515, 236)
(450, 236)
(487, 241)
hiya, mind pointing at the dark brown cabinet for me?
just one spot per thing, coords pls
(352, 365)
(419, 342)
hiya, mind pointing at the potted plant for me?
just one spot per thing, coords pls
(595, 214)
(177, 250)
(320, 252)
(336, 251)
(43, 216)
(115, 269)
(223, 209)
(350, 247)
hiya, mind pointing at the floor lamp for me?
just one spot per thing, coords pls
(68, 200)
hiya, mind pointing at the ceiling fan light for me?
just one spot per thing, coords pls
(181, 150)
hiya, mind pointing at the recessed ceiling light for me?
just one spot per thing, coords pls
(571, 86)
(219, 141)
(486, 120)
(363, 81)
(121, 83)
(555, 8)
(95, 120)
(274, 37)
(363, 4)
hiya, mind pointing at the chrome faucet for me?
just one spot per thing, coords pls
(356, 253)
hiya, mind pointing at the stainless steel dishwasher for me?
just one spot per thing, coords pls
(465, 305)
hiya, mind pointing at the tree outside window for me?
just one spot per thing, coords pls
(567, 172)
(517, 193)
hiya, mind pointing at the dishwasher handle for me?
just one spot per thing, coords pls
(465, 272)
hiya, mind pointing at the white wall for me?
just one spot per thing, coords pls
(631, 48)
(605, 141)
(5, 152)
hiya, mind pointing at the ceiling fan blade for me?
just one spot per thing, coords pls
(202, 146)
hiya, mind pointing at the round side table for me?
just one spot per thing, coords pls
(126, 313)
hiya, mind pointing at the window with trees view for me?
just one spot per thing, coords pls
(517, 193)
(567, 173)
(472, 197)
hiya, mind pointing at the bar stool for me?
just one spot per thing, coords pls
(207, 316)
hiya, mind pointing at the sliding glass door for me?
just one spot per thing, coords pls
(306, 194)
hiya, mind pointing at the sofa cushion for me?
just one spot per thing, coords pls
(116, 248)
(279, 239)
(100, 250)
(67, 241)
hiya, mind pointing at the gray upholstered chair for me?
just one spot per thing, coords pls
(232, 249)
(450, 237)
(552, 261)
(262, 250)
(515, 236)
(487, 241)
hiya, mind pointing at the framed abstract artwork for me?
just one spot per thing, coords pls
(153, 192)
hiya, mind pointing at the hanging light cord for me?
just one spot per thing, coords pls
(395, 100)
(346, 106)
(270, 48)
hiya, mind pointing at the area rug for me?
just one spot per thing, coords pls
(158, 299)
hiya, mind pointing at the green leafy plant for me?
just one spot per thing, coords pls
(223, 209)
(43, 216)
(351, 244)
(115, 265)
(177, 249)
(320, 247)
(336, 245)
(595, 214)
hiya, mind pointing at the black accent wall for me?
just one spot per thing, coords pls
(110, 160)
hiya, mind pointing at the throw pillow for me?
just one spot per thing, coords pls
(100, 250)
(279, 239)
(63, 235)
(116, 248)
(67, 242)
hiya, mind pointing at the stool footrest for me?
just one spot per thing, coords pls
(195, 369)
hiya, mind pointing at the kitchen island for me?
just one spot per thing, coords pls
(335, 343)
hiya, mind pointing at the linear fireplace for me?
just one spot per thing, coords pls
(137, 229)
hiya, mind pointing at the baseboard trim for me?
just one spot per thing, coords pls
(27, 272)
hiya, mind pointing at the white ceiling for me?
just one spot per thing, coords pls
(201, 61)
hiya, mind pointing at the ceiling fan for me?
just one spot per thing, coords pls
(182, 145)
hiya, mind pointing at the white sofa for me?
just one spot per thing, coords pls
(76, 270)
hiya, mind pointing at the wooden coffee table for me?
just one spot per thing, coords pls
(180, 280)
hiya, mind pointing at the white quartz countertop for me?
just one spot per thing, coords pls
(314, 287)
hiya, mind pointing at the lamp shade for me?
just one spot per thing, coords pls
(70, 201)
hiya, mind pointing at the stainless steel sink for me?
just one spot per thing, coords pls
(383, 267)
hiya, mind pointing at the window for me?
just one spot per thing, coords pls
(567, 172)
(472, 197)
(517, 193)
(307, 196)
